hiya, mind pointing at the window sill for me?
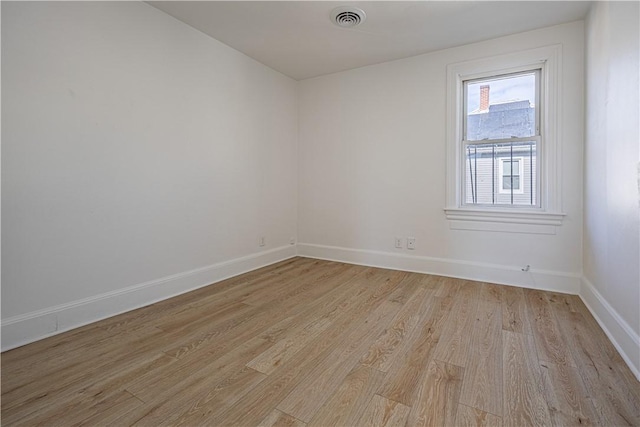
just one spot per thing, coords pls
(504, 220)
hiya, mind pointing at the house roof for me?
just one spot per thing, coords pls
(502, 120)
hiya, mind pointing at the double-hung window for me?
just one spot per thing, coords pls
(502, 148)
(511, 179)
(501, 137)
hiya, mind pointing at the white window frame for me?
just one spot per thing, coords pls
(520, 175)
(547, 215)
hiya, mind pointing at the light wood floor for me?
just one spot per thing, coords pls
(317, 343)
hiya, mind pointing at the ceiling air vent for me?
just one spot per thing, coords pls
(348, 17)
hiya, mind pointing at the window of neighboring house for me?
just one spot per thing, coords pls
(511, 175)
(502, 148)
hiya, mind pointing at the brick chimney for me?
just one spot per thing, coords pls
(484, 97)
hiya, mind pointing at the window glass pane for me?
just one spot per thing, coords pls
(506, 168)
(506, 182)
(500, 108)
(501, 174)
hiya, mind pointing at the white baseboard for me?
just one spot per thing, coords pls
(483, 272)
(623, 337)
(30, 327)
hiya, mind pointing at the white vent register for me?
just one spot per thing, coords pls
(347, 16)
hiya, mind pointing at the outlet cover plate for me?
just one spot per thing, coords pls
(411, 243)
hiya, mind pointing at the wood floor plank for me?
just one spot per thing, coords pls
(346, 405)
(295, 336)
(283, 350)
(214, 301)
(279, 419)
(431, 282)
(563, 302)
(212, 297)
(566, 396)
(611, 386)
(313, 272)
(172, 408)
(20, 361)
(222, 349)
(104, 385)
(472, 417)
(256, 404)
(437, 400)
(187, 373)
(331, 344)
(574, 304)
(196, 401)
(133, 348)
(306, 399)
(184, 324)
(524, 402)
(381, 353)
(330, 307)
(65, 356)
(408, 367)
(549, 341)
(514, 311)
(79, 410)
(490, 292)
(453, 346)
(448, 287)
(384, 412)
(107, 415)
(279, 307)
(482, 386)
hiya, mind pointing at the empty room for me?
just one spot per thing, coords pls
(319, 213)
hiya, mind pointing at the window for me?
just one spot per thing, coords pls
(511, 176)
(502, 151)
(501, 139)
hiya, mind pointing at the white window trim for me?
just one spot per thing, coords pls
(486, 217)
(520, 174)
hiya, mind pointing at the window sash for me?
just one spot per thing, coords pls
(538, 173)
(537, 137)
(538, 107)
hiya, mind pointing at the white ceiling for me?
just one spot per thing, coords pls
(298, 39)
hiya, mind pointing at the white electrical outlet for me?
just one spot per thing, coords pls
(399, 242)
(411, 243)
(262, 241)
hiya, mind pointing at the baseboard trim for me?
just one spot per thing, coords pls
(26, 328)
(483, 272)
(621, 335)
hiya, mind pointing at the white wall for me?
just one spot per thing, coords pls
(134, 148)
(372, 166)
(611, 193)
